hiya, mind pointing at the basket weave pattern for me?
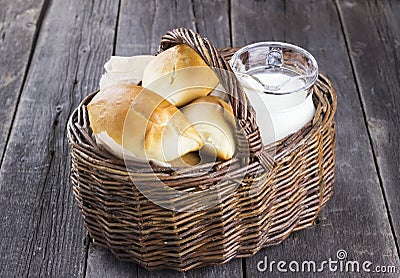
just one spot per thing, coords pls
(291, 187)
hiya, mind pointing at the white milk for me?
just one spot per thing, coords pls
(283, 114)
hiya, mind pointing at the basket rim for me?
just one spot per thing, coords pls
(323, 91)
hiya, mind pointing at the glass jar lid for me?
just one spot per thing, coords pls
(275, 68)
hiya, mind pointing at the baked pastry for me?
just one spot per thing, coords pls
(132, 120)
(214, 120)
(180, 75)
(124, 70)
(187, 160)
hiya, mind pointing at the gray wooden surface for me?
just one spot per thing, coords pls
(52, 52)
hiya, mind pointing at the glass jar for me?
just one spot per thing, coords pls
(278, 79)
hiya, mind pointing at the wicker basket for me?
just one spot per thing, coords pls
(291, 187)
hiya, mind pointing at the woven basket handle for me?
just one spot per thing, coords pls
(242, 109)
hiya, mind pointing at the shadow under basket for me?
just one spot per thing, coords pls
(279, 194)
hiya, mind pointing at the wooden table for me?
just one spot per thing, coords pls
(52, 55)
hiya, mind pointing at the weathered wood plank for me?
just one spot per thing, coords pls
(141, 25)
(372, 29)
(41, 233)
(19, 23)
(212, 20)
(355, 219)
(101, 263)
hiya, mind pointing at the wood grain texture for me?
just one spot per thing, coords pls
(372, 29)
(355, 219)
(19, 23)
(41, 233)
(141, 25)
(230, 270)
(101, 263)
(143, 22)
(212, 21)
